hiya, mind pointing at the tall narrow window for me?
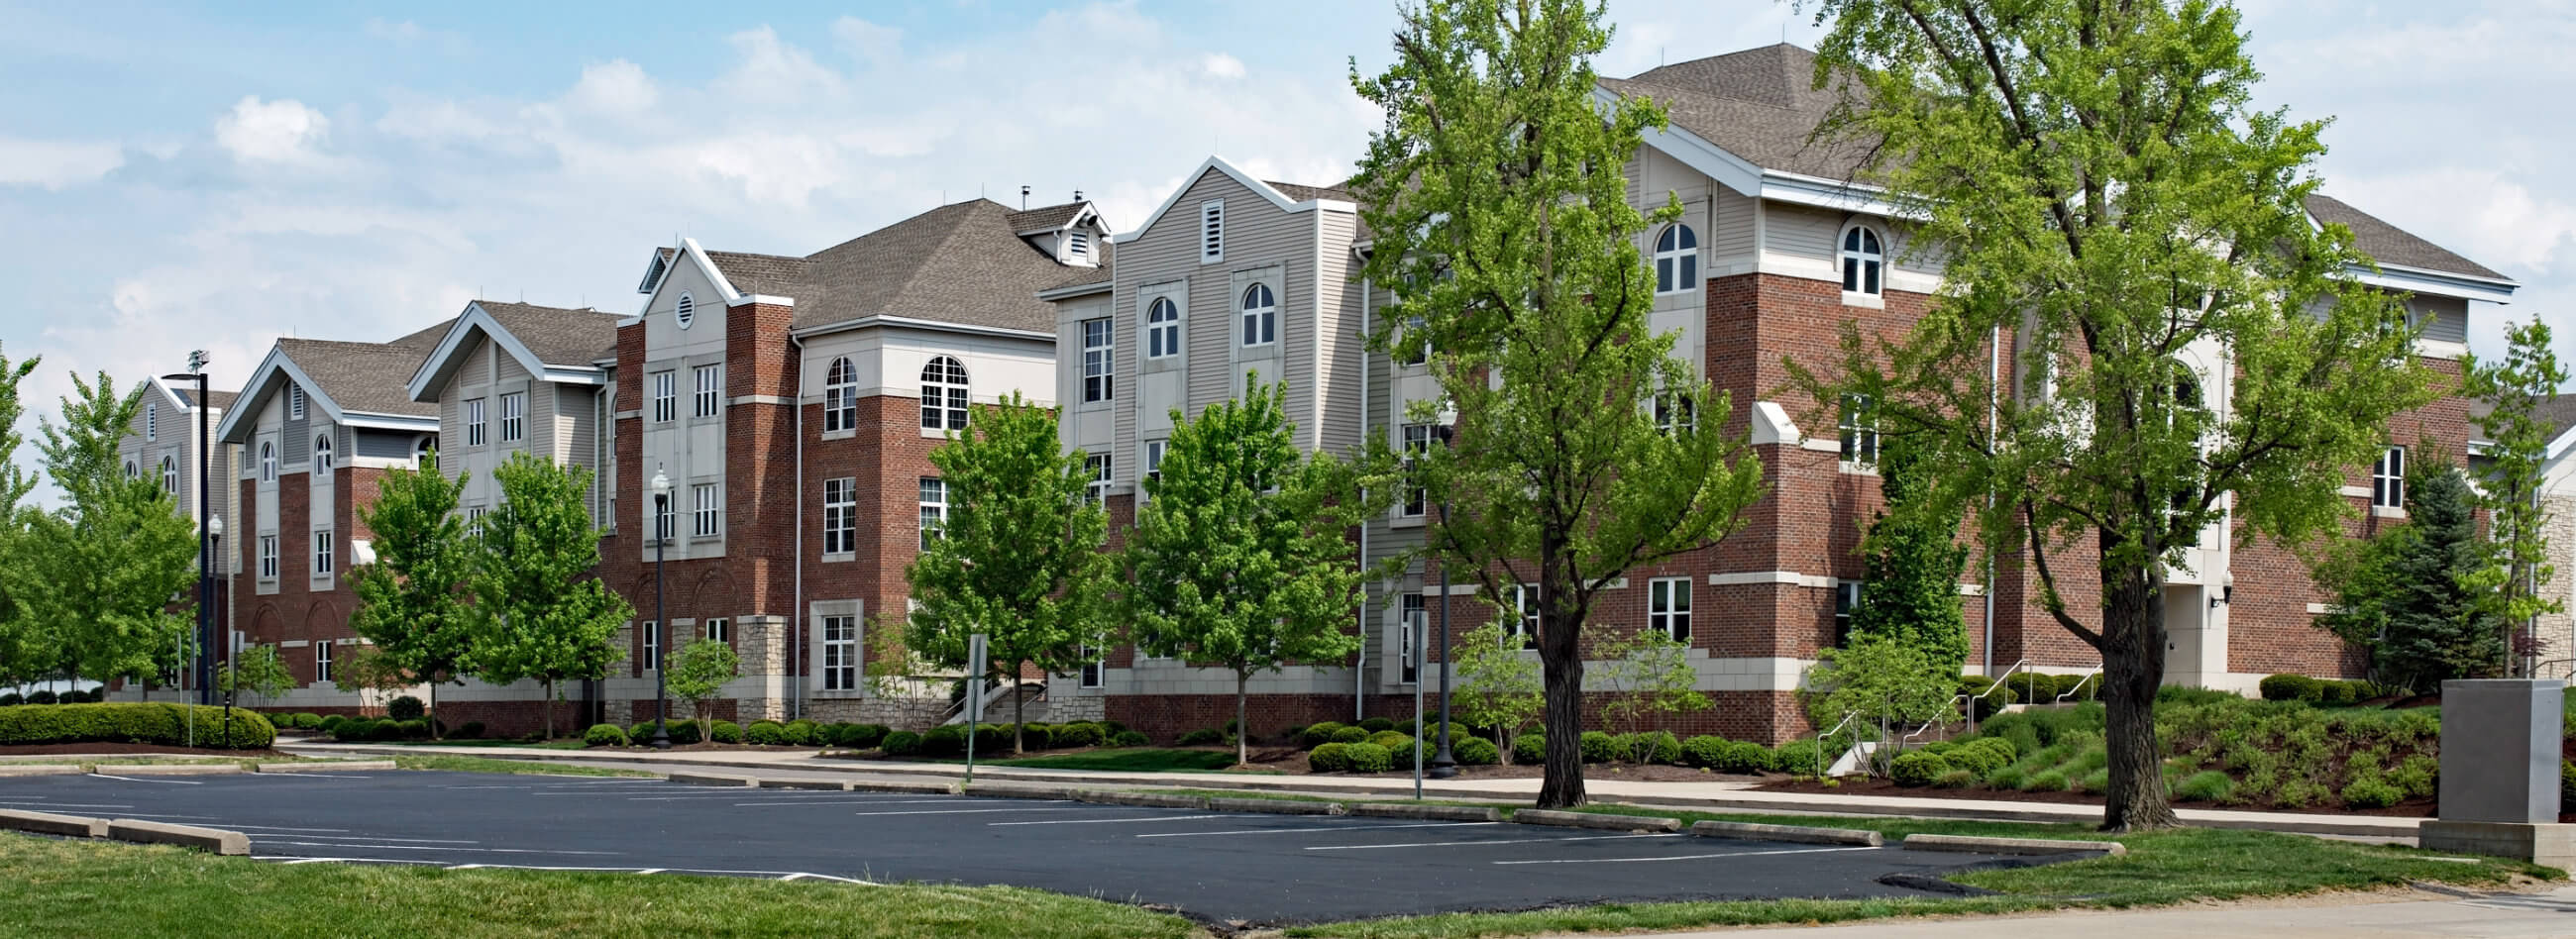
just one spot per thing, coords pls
(841, 396)
(840, 653)
(710, 391)
(1260, 316)
(666, 397)
(267, 461)
(152, 421)
(1212, 232)
(1859, 426)
(840, 515)
(1162, 329)
(514, 416)
(663, 513)
(295, 402)
(322, 454)
(1524, 620)
(934, 508)
(322, 662)
(1846, 601)
(1862, 258)
(1677, 260)
(719, 630)
(1098, 489)
(1093, 669)
(268, 557)
(2388, 479)
(1668, 606)
(474, 425)
(943, 394)
(1098, 382)
(169, 476)
(1411, 621)
(1675, 415)
(1417, 444)
(707, 510)
(322, 553)
(652, 658)
(1414, 344)
(131, 471)
(1154, 458)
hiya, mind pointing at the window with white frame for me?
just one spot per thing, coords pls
(1098, 374)
(1675, 415)
(169, 476)
(322, 661)
(840, 653)
(841, 396)
(651, 660)
(2388, 479)
(663, 516)
(1154, 458)
(1212, 231)
(474, 519)
(322, 550)
(1863, 261)
(1162, 329)
(719, 630)
(267, 462)
(1846, 602)
(1677, 260)
(934, 508)
(152, 421)
(295, 401)
(841, 515)
(268, 557)
(474, 425)
(514, 416)
(424, 446)
(1093, 668)
(710, 391)
(1411, 620)
(1523, 621)
(1097, 490)
(706, 515)
(666, 397)
(1859, 426)
(943, 394)
(1413, 346)
(322, 454)
(1668, 606)
(1417, 445)
(1260, 315)
(132, 471)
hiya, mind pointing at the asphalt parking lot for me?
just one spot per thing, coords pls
(1220, 866)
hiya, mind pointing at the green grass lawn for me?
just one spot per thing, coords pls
(565, 744)
(1133, 760)
(476, 764)
(77, 888)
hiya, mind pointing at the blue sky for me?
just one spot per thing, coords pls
(175, 176)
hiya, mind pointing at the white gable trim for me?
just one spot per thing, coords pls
(273, 371)
(2436, 283)
(1259, 188)
(476, 318)
(689, 249)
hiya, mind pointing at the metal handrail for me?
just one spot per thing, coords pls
(2539, 669)
(2079, 686)
(1848, 717)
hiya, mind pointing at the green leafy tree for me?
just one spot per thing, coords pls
(1912, 592)
(1497, 195)
(2106, 200)
(1497, 686)
(412, 600)
(1646, 674)
(539, 609)
(1884, 680)
(2414, 597)
(106, 582)
(699, 671)
(21, 641)
(1239, 556)
(1019, 556)
(257, 671)
(2517, 449)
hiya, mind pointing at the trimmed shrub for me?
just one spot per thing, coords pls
(2004, 751)
(1917, 768)
(1129, 738)
(414, 729)
(330, 722)
(46, 696)
(12, 699)
(684, 733)
(1705, 751)
(471, 730)
(766, 734)
(1652, 746)
(1600, 747)
(1978, 761)
(1369, 758)
(2044, 781)
(800, 733)
(858, 736)
(1378, 725)
(1530, 749)
(1975, 685)
(943, 740)
(724, 732)
(1956, 779)
(304, 720)
(604, 735)
(2006, 778)
(1802, 757)
(405, 708)
(1744, 757)
(1210, 736)
(1475, 751)
(1082, 734)
(1388, 738)
(2339, 694)
(1350, 735)
(1330, 758)
(2286, 687)
(1399, 749)
(1319, 733)
(899, 743)
(2374, 791)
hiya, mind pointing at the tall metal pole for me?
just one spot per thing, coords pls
(661, 626)
(203, 668)
(1445, 765)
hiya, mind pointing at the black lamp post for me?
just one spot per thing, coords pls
(661, 537)
(1444, 765)
(215, 548)
(204, 668)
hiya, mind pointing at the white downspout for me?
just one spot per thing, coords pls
(1994, 389)
(1359, 667)
(796, 593)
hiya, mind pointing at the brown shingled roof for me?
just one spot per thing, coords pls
(960, 263)
(557, 335)
(2389, 244)
(366, 376)
(1045, 217)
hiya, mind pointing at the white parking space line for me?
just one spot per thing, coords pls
(440, 847)
(422, 841)
(1683, 857)
(1312, 831)
(949, 800)
(68, 805)
(1083, 808)
(1110, 821)
(284, 828)
(1470, 844)
(193, 818)
(181, 782)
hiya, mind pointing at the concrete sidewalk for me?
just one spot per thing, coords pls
(2358, 917)
(1714, 795)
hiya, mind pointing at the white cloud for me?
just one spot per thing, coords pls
(1222, 65)
(54, 164)
(270, 131)
(616, 87)
(408, 34)
(874, 44)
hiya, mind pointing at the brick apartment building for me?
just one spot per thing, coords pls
(162, 444)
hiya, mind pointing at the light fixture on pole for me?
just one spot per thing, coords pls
(661, 537)
(203, 671)
(215, 549)
(1444, 765)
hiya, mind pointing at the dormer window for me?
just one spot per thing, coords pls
(1077, 246)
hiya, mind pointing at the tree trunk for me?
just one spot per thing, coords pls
(2133, 667)
(433, 708)
(1242, 747)
(1561, 664)
(550, 709)
(1019, 718)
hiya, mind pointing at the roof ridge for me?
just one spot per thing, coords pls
(956, 230)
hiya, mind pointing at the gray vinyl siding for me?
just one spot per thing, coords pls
(1340, 343)
(295, 448)
(1731, 236)
(1801, 231)
(385, 444)
(451, 420)
(2445, 319)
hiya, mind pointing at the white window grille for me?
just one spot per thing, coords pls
(1668, 607)
(474, 425)
(1677, 260)
(1863, 259)
(666, 397)
(710, 391)
(322, 661)
(322, 454)
(1525, 602)
(268, 557)
(1260, 315)
(1098, 378)
(322, 550)
(841, 396)
(652, 657)
(1859, 426)
(840, 653)
(943, 394)
(706, 517)
(1162, 329)
(840, 515)
(2388, 479)
(934, 508)
(1417, 444)
(1097, 490)
(514, 416)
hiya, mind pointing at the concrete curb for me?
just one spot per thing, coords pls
(48, 823)
(713, 779)
(903, 785)
(40, 771)
(1018, 790)
(1154, 800)
(166, 769)
(1275, 806)
(1437, 813)
(2026, 846)
(216, 840)
(1597, 820)
(1799, 834)
(347, 765)
(833, 785)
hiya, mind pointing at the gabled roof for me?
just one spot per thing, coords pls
(555, 343)
(1046, 218)
(1313, 198)
(961, 264)
(355, 383)
(2391, 245)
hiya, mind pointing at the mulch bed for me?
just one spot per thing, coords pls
(51, 749)
(2411, 808)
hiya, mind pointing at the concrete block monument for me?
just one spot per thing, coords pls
(2499, 789)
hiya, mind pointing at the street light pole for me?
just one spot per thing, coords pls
(215, 542)
(204, 667)
(661, 628)
(1445, 765)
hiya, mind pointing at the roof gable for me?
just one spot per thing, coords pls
(553, 342)
(354, 383)
(1318, 198)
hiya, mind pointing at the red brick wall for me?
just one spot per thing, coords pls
(297, 611)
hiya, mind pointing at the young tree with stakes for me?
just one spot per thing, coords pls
(1498, 201)
(2111, 210)
(1018, 557)
(412, 598)
(2517, 449)
(540, 610)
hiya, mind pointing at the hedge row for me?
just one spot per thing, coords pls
(76, 696)
(123, 722)
(2327, 692)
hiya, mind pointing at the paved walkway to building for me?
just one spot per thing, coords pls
(1725, 795)
(2343, 916)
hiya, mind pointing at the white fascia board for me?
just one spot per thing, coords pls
(2436, 283)
(424, 387)
(253, 391)
(763, 299)
(1694, 151)
(1259, 188)
(1077, 290)
(689, 250)
(374, 421)
(576, 375)
(907, 322)
(1836, 194)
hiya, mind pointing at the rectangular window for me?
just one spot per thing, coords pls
(1413, 346)
(1212, 231)
(1525, 624)
(1675, 415)
(934, 508)
(1417, 443)
(1410, 621)
(1668, 606)
(707, 516)
(840, 515)
(840, 653)
(268, 557)
(1093, 669)
(295, 401)
(1154, 458)
(719, 630)
(2388, 479)
(474, 422)
(474, 519)
(322, 661)
(1098, 489)
(514, 416)
(1846, 600)
(666, 397)
(652, 658)
(322, 554)
(710, 391)
(662, 518)
(1859, 430)
(1097, 380)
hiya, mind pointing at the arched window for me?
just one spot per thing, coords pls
(267, 462)
(841, 395)
(685, 311)
(1260, 316)
(943, 394)
(1863, 258)
(322, 454)
(169, 476)
(424, 447)
(1162, 329)
(130, 470)
(1677, 260)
